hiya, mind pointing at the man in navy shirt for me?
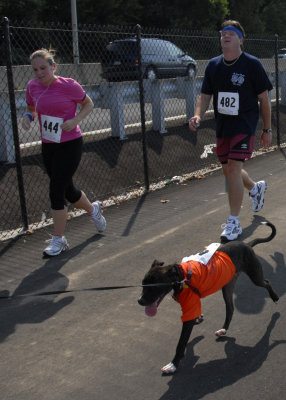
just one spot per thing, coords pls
(237, 82)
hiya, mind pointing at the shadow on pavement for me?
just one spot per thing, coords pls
(193, 382)
(25, 309)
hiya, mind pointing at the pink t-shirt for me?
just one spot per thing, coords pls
(55, 104)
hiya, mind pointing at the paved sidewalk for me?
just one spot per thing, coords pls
(99, 345)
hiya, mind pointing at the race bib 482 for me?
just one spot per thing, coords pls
(228, 103)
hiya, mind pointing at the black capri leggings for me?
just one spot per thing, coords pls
(61, 161)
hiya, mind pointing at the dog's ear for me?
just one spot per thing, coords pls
(157, 263)
(174, 273)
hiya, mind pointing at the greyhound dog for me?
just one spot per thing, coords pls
(217, 267)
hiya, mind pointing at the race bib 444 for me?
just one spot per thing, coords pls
(51, 128)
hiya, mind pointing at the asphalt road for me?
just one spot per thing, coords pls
(101, 345)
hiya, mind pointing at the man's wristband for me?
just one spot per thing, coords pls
(30, 116)
(269, 130)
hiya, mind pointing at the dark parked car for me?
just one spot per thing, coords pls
(160, 59)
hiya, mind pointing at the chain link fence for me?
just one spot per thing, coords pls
(144, 84)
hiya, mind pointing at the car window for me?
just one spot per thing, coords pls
(174, 50)
(123, 48)
(162, 48)
(148, 46)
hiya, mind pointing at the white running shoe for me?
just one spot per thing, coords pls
(97, 217)
(231, 230)
(258, 198)
(56, 246)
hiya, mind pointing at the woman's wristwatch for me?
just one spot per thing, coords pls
(269, 130)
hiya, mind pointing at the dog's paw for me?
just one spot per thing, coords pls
(220, 332)
(169, 369)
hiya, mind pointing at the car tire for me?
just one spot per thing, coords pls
(191, 71)
(151, 73)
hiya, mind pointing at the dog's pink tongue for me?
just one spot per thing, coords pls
(151, 311)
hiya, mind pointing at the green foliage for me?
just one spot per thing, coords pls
(274, 17)
(22, 10)
(260, 16)
(256, 16)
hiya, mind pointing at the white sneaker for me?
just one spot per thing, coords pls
(97, 216)
(56, 246)
(258, 198)
(231, 230)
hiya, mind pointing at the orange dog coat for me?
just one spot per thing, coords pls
(208, 279)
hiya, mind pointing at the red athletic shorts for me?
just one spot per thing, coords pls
(238, 147)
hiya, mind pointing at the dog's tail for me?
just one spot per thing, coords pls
(268, 238)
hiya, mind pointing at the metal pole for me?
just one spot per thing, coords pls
(277, 90)
(142, 107)
(14, 123)
(74, 32)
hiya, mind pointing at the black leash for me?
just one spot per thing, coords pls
(53, 292)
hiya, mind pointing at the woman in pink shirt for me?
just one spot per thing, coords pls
(54, 99)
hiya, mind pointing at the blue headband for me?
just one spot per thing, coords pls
(232, 28)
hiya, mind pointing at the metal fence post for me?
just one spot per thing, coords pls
(277, 90)
(14, 123)
(74, 32)
(142, 107)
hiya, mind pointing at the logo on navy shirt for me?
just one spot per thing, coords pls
(237, 79)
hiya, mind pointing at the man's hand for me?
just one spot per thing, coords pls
(266, 139)
(194, 123)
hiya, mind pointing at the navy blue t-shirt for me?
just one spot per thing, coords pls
(246, 77)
